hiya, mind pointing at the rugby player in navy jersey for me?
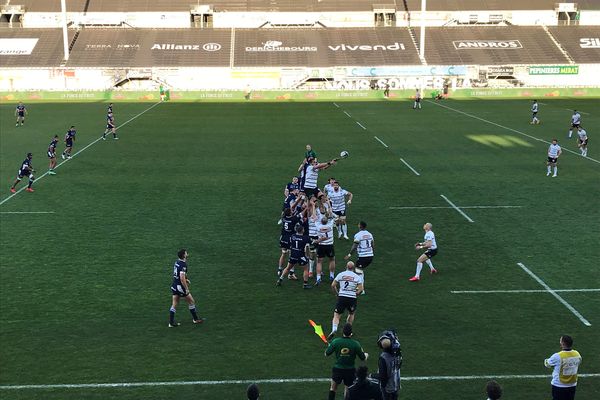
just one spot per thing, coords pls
(52, 155)
(299, 253)
(69, 139)
(181, 288)
(20, 112)
(290, 188)
(26, 170)
(110, 126)
(109, 110)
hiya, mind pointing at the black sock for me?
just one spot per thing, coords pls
(172, 316)
(194, 314)
(30, 183)
(331, 395)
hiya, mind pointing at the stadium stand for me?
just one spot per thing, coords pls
(46, 47)
(497, 45)
(324, 47)
(151, 48)
(581, 42)
(498, 5)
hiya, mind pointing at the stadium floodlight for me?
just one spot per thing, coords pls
(422, 40)
(64, 26)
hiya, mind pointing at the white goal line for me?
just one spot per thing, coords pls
(522, 291)
(265, 381)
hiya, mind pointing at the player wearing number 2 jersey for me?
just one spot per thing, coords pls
(350, 283)
(363, 244)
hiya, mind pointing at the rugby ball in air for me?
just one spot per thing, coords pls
(344, 154)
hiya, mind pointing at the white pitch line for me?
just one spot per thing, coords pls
(510, 129)
(76, 153)
(456, 208)
(361, 125)
(335, 104)
(26, 212)
(381, 141)
(266, 381)
(440, 207)
(553, 293)
(520, 291)
(570, 109)
(410, 167)
(346, 112)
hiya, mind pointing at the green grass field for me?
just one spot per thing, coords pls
(84, 290)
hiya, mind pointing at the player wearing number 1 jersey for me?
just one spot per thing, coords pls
(350, 283)
(299, 253)
(363, 244)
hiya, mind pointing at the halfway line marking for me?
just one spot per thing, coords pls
(275, 380)
(90, 144)
(381, 141)
(553, 293)
(439, 207)
(456, 208)
(361, 125)
(520, 291)
(409, 166)
(509, 129)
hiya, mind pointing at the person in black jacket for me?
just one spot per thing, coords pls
(389, 364)
(363, 388)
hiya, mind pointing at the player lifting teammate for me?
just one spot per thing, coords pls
(181, 288)
(430, 244)
(26, 170)
(299, 254)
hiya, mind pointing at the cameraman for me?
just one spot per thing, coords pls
(389, 364)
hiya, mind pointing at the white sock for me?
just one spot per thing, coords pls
(318, 278)
(311, 265)
(555, 170)
(419, 268)
(331, 275)
(429, 263)
(570, 133)
(333, 327)
(549, 169)
(345, 229)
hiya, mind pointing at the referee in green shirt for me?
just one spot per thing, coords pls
(346, 350)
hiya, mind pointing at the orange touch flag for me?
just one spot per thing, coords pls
(318, 330)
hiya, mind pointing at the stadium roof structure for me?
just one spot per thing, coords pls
(497, 45)
(294, 5)
(31, 48)
(581, 42)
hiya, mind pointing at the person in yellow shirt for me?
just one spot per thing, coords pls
(564, 376)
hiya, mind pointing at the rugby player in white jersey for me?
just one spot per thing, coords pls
(554, 151)
(310, 175)
(417, 100)
(314, 215)
(430, 244)
(325, 247)
(363, 244)
(582, 141)
(338, 205)
(575, 122)
(350, 283)
(329, 187)
(534, 112)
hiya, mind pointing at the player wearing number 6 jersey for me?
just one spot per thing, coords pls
(430, 244)
(350, 283)
(363, 244)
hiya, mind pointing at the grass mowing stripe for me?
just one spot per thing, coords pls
(274, 380)
(508, 129)
(553, 293)
(90, 144)
(456, 208)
